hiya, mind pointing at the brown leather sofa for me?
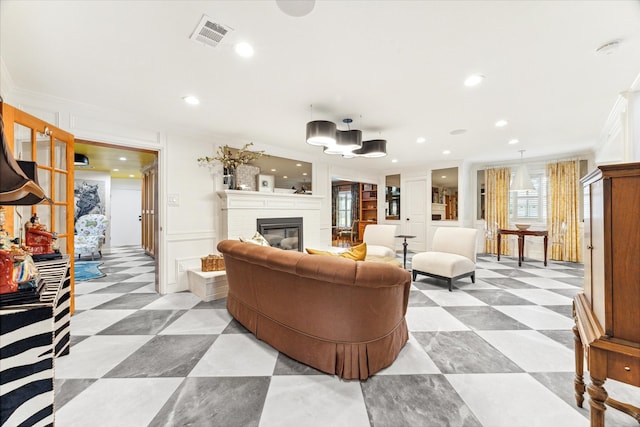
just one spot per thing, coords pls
(337, 315)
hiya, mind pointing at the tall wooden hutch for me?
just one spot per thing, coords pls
(607, 312)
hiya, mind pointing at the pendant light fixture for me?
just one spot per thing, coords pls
(321, 132)
(347, 143)
(346, 140)
(522, 180)
(373, 148)
(80, 160)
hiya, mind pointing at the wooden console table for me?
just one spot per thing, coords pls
(521, 234)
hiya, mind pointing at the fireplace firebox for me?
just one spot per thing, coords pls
(283, 233)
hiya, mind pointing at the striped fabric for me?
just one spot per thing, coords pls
(56, 274)
(30, 336)
(26, 371)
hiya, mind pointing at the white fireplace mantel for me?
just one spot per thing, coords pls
(241, 209)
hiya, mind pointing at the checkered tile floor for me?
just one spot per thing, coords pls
(495, 353)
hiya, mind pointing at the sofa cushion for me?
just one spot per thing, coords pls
(356, 253)
(442, 263)
(381, 251)
(384, 259)
(257, 239)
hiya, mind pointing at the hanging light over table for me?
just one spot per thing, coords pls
(522, 180)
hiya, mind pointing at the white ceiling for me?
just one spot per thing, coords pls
(396, 67)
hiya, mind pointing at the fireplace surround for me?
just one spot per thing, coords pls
(240, 210)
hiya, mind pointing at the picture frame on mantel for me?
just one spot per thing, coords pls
(266, 183)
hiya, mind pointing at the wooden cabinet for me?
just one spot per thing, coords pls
(368, 207)
(606, 313)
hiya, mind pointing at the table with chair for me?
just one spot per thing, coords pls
(521, 233)
(348, 234)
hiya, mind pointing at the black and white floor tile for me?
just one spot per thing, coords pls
(495, 353)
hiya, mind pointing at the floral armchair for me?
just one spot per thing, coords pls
(90, 234)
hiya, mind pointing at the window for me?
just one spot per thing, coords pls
(530, 206)
(344, 209)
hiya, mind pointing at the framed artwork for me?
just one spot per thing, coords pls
(90, 197)
(265, 183)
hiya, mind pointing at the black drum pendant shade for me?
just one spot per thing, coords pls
(346, 141)
(373, 148)
(321, 132)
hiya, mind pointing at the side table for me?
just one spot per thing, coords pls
(404, 247)
(208, 285)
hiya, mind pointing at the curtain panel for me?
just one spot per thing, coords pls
(497, 182)
(355, 202)
(563, 208)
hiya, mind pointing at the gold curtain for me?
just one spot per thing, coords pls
(563, 207)
(497, 199)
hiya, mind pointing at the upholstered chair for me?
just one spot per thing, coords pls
(452, 257)
(90, 234)
(380, 240)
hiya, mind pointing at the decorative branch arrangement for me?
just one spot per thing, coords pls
(230, 160)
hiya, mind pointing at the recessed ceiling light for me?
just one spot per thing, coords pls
(304, 174)
(131, 176)
(394, 161)
(273, 170)
(473, 80)
(116, 170)
(446, 152)
(298, 164)
(244, 50)
(458, 132)
(191, 100)
(421, 140)
(513, 141)
(443, 176)
(501, 123)
(285, 177)
(124, 159)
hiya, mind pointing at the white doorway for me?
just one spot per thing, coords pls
(415, 216)
(126, 197)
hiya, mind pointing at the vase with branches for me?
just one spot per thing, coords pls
(231, 160)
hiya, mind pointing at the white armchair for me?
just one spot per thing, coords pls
(452, 257)
(380, 240)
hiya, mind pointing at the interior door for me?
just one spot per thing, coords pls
(125, 217)
(415, 212)
(149, 216)
(30, 138)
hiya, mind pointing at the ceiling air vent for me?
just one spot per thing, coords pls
(209, 33)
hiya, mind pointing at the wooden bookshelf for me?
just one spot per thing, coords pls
(368, 207)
